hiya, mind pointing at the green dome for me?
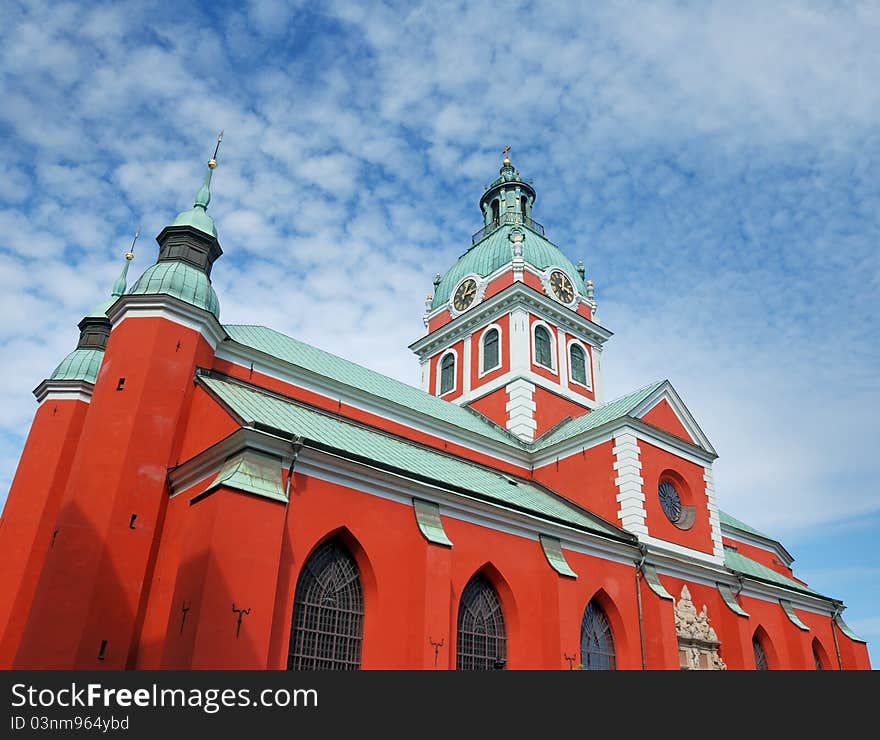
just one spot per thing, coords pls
(100, 311)
(495, 251)
(180, 280)
(198, 218)
(81, 364)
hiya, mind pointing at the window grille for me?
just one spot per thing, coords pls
(760, 655)
(490, 350)
(542, 347)
(447, 374)
(597, 642)
(578, 364)
(482, 639)
(328, 613)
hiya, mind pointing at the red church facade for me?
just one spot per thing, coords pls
(198, 495)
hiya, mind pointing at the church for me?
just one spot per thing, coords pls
(194, 494)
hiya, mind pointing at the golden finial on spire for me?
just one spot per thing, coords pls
(506, 153)
(589, 283)
(212, 162)
(129, 255)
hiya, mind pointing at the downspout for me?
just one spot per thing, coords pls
(643, 551)
(834, 616)
(296, 444)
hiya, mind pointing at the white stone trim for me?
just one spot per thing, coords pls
(439, 371)
(658, 544)
(485, 371)
(666, 392)
(466, 364)
(538, 380)
(596, 360)
(554, 346)
(169, 308)
(425, 368)
(629, 481)
(521, 409)
(517, 295)
(562, 338)
(519, 341)
(714, 519)
(588, 370)
(63, 390)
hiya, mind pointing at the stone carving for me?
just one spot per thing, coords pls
(697, 642)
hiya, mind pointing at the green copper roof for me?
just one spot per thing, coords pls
(253, 405)
(252, 472)
(180, 280)
(728, 521)
(81, 364)
(344, 371)
(197, 216)
(607, 412)
(739, 563)
(488, 255)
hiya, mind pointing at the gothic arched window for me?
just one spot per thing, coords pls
(482, 639)
(328, 612)
(447, 373)
(760, 655)
(578, 364)
(490, 350)
(597, 642)
(543, 355)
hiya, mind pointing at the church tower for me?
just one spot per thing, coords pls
(90, 597)
(28, 524)
(512, 330)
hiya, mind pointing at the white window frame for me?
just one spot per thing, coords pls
(485, 371)
(588, 370)
(554, 359)
(439, 371)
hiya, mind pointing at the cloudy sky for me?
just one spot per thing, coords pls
(715, 165)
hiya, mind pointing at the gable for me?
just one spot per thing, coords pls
(662, 415)
(663, 408)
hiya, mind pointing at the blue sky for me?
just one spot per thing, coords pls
(715, 165)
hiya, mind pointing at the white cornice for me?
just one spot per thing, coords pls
(64, 390)
(385, 484)
(170, 308)
(710, 574)
(518, 294)
(765, 543)
(538, 380)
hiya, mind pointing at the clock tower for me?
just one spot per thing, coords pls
(511, 328)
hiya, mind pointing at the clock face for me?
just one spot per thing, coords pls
(465, 294)
(562, 287)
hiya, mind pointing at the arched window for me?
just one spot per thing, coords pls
(578, 364)
(760, 655)
(447, 373)
(328, 613)
(524, 203)
(482, 639)
(543, 355)
(495, 211)
(597, 643)
(490, 350)
(819, 656)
